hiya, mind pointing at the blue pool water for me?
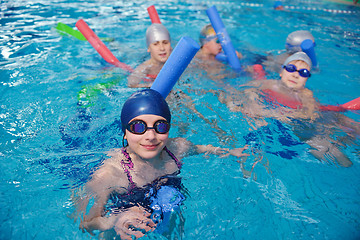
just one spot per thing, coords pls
(49, 144)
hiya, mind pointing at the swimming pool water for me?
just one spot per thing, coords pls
(50, 144)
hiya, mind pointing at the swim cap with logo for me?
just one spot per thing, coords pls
(207, 34)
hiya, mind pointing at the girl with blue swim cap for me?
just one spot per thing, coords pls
(137, 189)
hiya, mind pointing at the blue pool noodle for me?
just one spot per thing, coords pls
(221, 57)
(308, 47)
(224, 38)
(180, 57)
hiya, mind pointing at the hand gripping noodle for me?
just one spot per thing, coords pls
(99, 46)
(154, 17)
(224, 38)
(180, 57)
(146, 101)
(156, 32)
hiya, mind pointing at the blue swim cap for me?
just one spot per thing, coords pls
(277, 4)
(146, 101)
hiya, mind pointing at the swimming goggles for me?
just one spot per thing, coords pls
(302, 72)
(210, 38)
(140, 127)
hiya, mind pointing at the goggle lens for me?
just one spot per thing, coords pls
(162, 127)
(140, 127)
(302, 72)
(137, 127)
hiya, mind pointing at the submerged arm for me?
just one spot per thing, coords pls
(137, 78)
(183, 148)
(129, 222)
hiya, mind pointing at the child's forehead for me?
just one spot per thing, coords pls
(300, 63)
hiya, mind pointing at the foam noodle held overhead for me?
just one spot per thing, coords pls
(179, 59)
(154, 17)
(224, 38)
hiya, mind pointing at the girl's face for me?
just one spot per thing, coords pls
(292, 79)
(150, 144)
(160, 50)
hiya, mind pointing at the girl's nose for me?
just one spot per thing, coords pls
(150, 134)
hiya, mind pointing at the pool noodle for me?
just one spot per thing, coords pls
(308, 47)
(180, 57)
(224, 38)
(284, 100)
(153, 14)
(221, 57)
(99, 46)
(67, 29)
(351, 105)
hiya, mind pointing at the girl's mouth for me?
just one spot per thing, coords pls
(150, 147)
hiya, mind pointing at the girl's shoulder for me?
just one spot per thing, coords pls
(179, 146)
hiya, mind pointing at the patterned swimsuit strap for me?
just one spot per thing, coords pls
(129, 165)
(178, 163)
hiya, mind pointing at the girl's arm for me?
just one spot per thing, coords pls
(108, 178)
(182, 147)
(136, 78)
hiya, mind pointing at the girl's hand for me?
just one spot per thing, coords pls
(134, 222)
(237, 152)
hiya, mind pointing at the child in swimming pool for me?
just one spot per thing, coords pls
(288, 100)
(159, 47)
(210, 57)
(141, 174)
(210, 47)
(291, 88)
(273, 63)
